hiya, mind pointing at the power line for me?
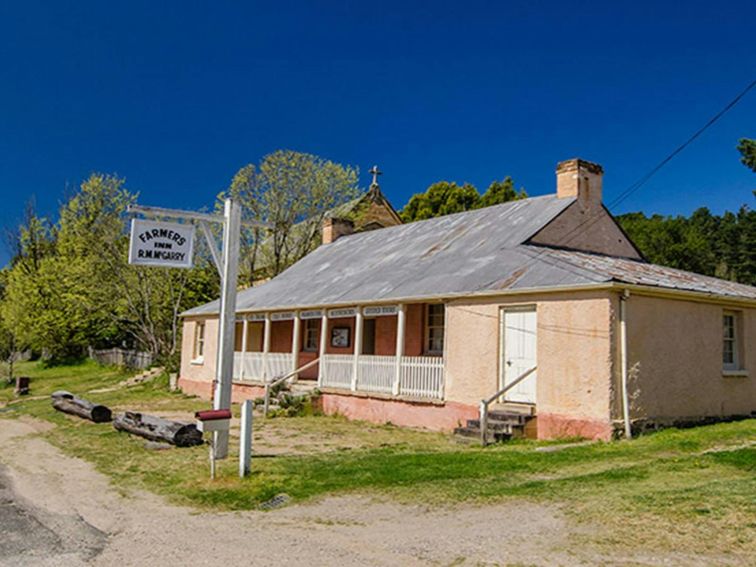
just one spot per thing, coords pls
(578, 229)
(638, 184)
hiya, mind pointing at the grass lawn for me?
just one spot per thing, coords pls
(691, 488)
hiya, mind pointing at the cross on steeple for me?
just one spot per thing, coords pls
(375, 171)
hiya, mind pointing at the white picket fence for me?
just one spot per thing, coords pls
(419, 376)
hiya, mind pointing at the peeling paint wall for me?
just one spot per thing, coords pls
(574, 345)
(675, 360)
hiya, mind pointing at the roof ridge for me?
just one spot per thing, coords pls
(440, 218)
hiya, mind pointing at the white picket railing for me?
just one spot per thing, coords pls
(376, 373)
(278, 363)
(337, 370)
(419, 376)
(422, 377)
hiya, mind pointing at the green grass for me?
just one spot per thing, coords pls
(694, 487)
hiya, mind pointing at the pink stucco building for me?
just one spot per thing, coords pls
(545, 297)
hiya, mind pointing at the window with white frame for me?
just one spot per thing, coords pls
(730, 340)
(434, 329)
(310, 343)
(199, 340)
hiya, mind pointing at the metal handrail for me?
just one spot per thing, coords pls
(277, 381)
(486, 402)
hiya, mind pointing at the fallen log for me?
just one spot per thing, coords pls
(68, 403)
(158, 429)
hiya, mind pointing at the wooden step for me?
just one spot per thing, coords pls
(498, 426)
(513, 408)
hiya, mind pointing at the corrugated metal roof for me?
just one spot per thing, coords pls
(465, 253)
(642, 273)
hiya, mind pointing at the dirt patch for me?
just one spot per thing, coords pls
(141, 528)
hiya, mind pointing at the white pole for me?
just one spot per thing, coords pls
(245, 439)
(401, 325)
(295, 342)
(245, 331)
(266, 345)
(358, 324)
(322, 345)
(623, 364)
(224, 368)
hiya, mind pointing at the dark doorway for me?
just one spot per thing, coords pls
(368, 337)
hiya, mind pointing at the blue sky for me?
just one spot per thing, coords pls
(176, 96)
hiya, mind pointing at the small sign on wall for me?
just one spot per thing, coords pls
(166, 244)
(340, 337)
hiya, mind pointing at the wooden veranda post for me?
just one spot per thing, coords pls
(401, 326)
(358, 326)
(266, 345)
(245, 330)
(295, 342)
(322, 346)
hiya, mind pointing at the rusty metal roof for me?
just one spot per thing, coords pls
(479, 251)
(642, 273)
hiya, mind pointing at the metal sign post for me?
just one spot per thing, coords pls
(228, 268)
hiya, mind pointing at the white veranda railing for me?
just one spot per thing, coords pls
(337, 370)
(376, 373)
(422, 376)
(419, 376)
(254, 364)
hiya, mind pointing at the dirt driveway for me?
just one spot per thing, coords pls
(56, 510)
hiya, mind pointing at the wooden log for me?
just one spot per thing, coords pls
(158, 429)
(68, 403)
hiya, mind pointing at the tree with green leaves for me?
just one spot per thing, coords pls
(747, 149)
(445, 197)
(501, 192)
(722, 246)
(70, 285)
(291, 191)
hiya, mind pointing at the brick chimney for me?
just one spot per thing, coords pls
(581, 179)
(333, 229)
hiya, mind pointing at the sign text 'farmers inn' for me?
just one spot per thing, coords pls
(166, 244)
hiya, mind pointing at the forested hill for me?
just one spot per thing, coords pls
(716, 245)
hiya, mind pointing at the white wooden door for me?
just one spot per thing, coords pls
(518, 352)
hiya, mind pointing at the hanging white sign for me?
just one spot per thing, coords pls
(166, 244)
(379, 310)
(344, 312)
(282, 316)
(311, 314)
